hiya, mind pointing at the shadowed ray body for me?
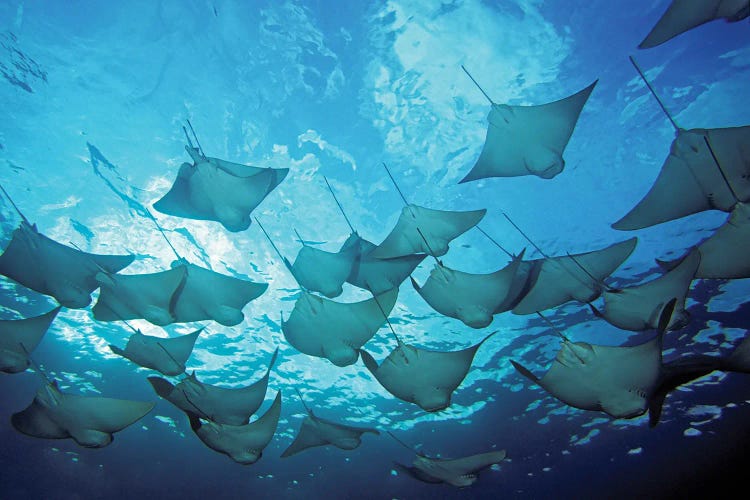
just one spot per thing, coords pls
(425, 230)
(335, 331)
(684, 15)
(724, 254)
(528, 140)
(19, 337)
(232, 406)
(557, 280)
(218, 190)
(474, 298)
(164, 355)
(459, 472)
(639, 307)
(316, 431)
(424, 377)
(242, 443)
(50, 268)
(90, 420)
(690, 182)
(378, 275)
(323, 272)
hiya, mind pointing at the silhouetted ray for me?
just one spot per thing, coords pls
(724, 255)
(335, 331)
(316, 431)
(232, 406)
(690, 182)
(19, 337)
(242, 443)
(527, 140)
(557, 280)
(89, 420)
(474, 298)
(639, 307)
(218, 190)
(164, 355)
(134, 296)
(378, 275)
(50, 268)
(424, 377)
(459, 472)
(684, 15)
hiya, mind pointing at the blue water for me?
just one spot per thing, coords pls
(94, 96)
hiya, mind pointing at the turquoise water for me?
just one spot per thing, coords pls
(95, 96)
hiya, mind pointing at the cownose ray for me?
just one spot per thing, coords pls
(335, 331)
(459, 472)
(150, 296)
(90, 421)
(424, 230)
(222, 405)
(165, 355)
(724, 253)
(684, 15)
(19, 337)
(208, 295)
(316, 431)
(51, 268)
(639, 307)
(706, 169)
(557, 280)
(527, 140)
(621, 381)
(473, 298)
(218, 190)
(424, 377)
(242, 443)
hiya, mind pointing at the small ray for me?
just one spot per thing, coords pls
(90, 421)
(164, 355)
(335, 331)
(424, 377)
(459, 472)
(684, 15)
(218, 190)
(19, 338)
(528, 140)
(222, 405)
(242, 443)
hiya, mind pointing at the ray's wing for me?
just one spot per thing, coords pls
(724, 254)
(28, 332)
(104, 414)
(378, 275)
(34, 421)
(528, 140)
(438, 227)
(560, 279)
(690, 182)
(180, 348)
(684, 15)
(447, 369)
(321, 271)
(307, 437)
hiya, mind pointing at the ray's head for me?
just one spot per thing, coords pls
(433, 399)
(629, 403)
(341, 355)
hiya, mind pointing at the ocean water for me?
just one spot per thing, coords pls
(95, 95)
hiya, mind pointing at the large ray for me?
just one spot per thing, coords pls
(242, 443)
(335, 331)
(424, 377)
(50, 268)
(134, 296)
(378, 275)
(89, 420)
(19, 337)
(316, 431)
(639, 308)
(528, 140)
(557, 280)
(425, 230)
(474, 298)
(684, 15)
(459, 472)
(164, 355)
(724, 254)
(690, 182)
(232, 406)
(218, 190)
